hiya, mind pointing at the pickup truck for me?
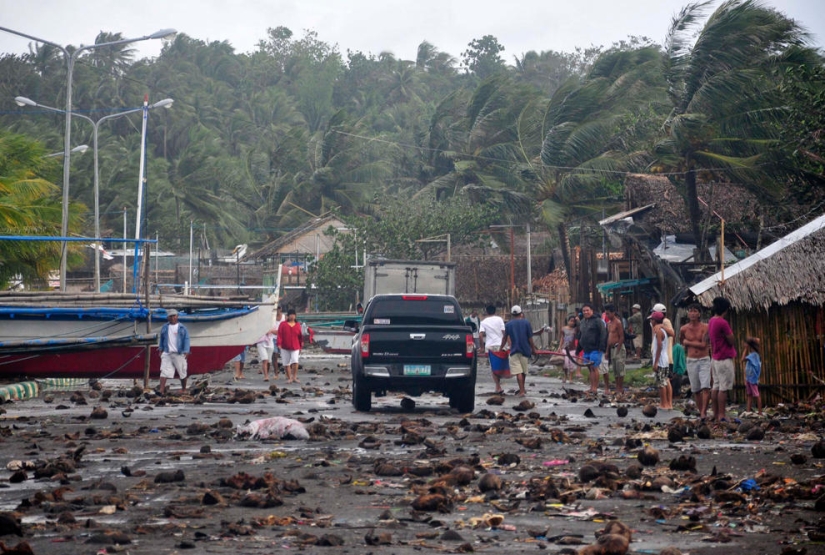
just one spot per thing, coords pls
(414, 343)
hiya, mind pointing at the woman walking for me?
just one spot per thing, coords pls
(290, 340)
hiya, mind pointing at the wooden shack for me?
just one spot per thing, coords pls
(778, 295)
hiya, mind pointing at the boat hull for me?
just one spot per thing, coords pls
(111, 362)
(215, 339)
(337, 342)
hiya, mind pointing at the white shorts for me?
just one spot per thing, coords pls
(172, 362)
(290, 357)
(698, 370)
(264, 351)
(723, 374)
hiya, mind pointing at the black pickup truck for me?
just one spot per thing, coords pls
(414, 343)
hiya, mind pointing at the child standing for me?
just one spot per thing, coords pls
(568, 347)
(753, 368)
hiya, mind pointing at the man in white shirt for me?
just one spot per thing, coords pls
(173, 346)
(491, 333)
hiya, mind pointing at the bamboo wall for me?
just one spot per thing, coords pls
(793, 351)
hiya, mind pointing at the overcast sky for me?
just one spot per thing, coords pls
(371, 26)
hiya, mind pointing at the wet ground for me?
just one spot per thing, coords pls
(547, 473)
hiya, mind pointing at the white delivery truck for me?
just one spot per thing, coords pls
(383, 276)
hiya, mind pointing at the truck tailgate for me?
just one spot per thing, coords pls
(411, 344)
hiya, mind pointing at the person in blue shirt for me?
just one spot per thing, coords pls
(753, 368)
(173, 346)
(519, 333)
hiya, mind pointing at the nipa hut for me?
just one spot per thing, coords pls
(778, 295)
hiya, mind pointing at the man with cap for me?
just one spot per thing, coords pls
(636, 323)
(519, 333)
(173, 346)
(671, 334)
(659, 360)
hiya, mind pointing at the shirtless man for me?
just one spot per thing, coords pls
(694, 338)
(616, 353)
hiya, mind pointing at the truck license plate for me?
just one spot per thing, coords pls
(416, 369)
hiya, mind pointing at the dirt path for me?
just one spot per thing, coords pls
(166, 475)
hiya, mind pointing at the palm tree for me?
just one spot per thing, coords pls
(725, 119)
(29, 205)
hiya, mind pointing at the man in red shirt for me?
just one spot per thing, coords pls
(290, 341)
(723, 355)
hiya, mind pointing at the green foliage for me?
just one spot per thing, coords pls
(482, 57)
(722, 82)
(257, 143)
(29, 205)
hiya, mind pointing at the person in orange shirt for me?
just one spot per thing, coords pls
(290, 340)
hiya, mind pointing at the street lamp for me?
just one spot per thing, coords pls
(165, 103)
(80, 149)
(70, 58)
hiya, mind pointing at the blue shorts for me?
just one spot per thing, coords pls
(241, 357)
(594, 357)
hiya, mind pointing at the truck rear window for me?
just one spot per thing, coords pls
(414, 313)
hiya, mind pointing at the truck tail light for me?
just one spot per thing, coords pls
(470, 345)
(414, 297)
(365, 345)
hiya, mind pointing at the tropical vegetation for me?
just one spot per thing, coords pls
(259, 142)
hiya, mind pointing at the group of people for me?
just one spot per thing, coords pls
(283, 340)
(707, 351)
(711, 360)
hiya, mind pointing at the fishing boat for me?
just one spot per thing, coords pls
(332, 331)
(111, 336)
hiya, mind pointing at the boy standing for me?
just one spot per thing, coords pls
(694, 338)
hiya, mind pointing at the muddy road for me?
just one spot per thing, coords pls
(165, 475)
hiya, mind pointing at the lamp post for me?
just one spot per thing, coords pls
(70, 58)
(165, 103)
(80, 149)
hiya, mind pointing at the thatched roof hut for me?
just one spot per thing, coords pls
(778, 295)
(790, 269)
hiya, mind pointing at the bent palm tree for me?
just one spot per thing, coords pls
(725, 117)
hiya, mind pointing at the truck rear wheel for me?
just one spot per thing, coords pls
(361, 395)
(463, 399)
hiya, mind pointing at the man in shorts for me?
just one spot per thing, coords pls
(173, 346)
(636, 322)
(723, 355)
(519, 333)
(694, 338)
(592, 338)
(491, 331)
(616, 352)
(660, 363)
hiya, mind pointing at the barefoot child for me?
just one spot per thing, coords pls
(568, 347)
(753, 368)
(661, 365)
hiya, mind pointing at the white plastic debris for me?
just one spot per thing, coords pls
(275, 427)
